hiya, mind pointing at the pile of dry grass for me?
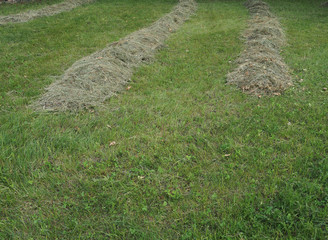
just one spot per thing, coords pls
(43, 12)
(261, 70)
(95, 78)
(324, 4)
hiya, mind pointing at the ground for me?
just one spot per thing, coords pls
(193, 159)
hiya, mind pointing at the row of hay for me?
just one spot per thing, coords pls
(15, 1)
(95, 78)
(261, 70)
(43, 12)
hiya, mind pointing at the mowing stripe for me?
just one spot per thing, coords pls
(95, 78)
(43, 12)
(261, 70)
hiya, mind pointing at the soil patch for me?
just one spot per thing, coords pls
(95, 78)
(43, 12)
(261, 70)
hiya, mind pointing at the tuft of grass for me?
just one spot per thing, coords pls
(193, 159)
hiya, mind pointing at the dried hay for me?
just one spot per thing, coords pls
(43, 12)
(95, 78)
(258, 7)
(324, 4)
(261, 70)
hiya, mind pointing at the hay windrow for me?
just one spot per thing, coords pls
(43, 12)
(324, 4)
(261, 70)
(95, 78)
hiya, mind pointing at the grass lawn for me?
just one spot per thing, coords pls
(6, 9)
(193, 159)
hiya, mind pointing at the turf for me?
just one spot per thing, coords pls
(180, 155)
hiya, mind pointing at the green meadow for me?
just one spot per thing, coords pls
(180, 155)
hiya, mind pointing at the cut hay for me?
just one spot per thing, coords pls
(261, 70)
(324, 4)
(95, 78)
(43, 12)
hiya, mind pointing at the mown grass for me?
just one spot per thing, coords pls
(194, 158)
(6, 9)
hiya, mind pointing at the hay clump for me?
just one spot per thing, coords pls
(95, 78)
(43, 12)
(261, 70)
(324, 4)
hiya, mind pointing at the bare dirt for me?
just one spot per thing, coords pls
(261, 70)
(95, 78)
(43, 12)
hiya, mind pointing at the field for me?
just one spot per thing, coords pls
(180, 155)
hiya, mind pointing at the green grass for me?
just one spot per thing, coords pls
(6, 9)
(194, 159)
